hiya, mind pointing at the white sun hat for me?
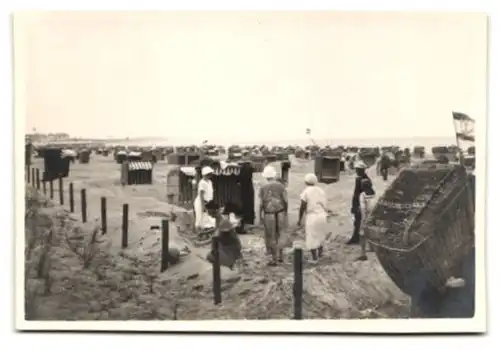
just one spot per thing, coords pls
(311, 179)
(206, 170)
(360, 165)
(269, 172)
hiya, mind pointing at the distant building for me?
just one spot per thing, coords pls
(44, 138)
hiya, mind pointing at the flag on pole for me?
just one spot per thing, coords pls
(308, 131)
(464, 127)
(462, 117)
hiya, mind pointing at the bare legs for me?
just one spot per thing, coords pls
(317, 253)
(362, 242)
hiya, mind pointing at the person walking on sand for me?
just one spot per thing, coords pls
(313, 205)
(273, 213)
(385, 163)
(205, 194)
(356, 210)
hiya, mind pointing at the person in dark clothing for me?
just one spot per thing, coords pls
(385, 163)
(229, 243)
(235, 209)
(361, 176)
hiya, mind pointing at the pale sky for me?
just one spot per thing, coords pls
(252, 76)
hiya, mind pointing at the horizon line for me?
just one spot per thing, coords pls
(284, 139)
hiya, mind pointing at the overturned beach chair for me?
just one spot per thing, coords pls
(423, 226)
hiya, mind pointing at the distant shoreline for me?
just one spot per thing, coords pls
(176, 141)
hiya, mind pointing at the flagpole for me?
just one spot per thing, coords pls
(461, 158)
(308, 132)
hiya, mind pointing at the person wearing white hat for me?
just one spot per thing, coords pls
(205, 194)
(313, 205)
(359, 164)
(273, 213)
(362, 183)
(367, 201)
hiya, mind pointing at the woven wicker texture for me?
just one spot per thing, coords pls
(423, 225)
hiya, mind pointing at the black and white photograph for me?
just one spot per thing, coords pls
(312, 171)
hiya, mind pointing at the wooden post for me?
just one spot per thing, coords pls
(51, 188)
(71, 198)
(297, 283)
(104, 217)
(38, 179)
(194, 186)
(33, 176)
(164, 245)
(84, 204)
(216, 271)
(61, 191)
(28, 173)
(125, 227)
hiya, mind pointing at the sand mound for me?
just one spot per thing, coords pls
(126, 284)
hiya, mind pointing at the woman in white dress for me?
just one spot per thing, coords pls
(367, 202)
(205, 194)
(313, 205)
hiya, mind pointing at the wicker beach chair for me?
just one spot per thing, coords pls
(422, 227)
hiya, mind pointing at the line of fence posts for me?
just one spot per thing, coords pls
(297, 281)
(216, 269)
(33, 178)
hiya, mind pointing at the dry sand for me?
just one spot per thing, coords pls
(125, 284)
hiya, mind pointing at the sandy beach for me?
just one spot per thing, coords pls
(339, 286)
